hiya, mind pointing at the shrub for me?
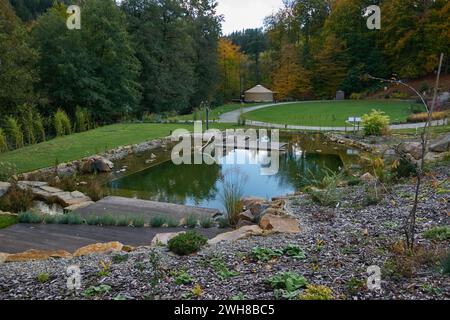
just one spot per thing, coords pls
(62, 123)
(27, 123)
(7, 220)
(123, 221)
(50, 219)
(7, 170)
(74, 219)
(206, 222)
(157, 221)
(404, 168)
(93, 220)
(3, 142)
(172, 222)
(191, 221)
(187, 243)
(43, 277)
(399, 95)
(233, 192)
(314, 292)
(423, 117)
(355, 96)
(82, 119)
(39, 128)
(138, 222)
(30, 217)
(438, 233)
(375, 123)
(107, 220)
(63, 219)
(94, 190)
(287, 284)
(16, 200)
(14, 132)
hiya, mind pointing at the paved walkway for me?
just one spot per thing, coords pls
(233, 117)
(22, 237)
(118, 206)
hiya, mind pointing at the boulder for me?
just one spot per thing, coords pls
(162, 239)
(255, 205)
(367, 177)
(128, 248)
(32, 255)
(246, 216)
(274, 212)
(239, 234)
(441, 145)
(3, 257)
(4, 187)
(412, 148)
(102, 165)
(279, 224)
(88, 166)
(77, 206)
(99, 248)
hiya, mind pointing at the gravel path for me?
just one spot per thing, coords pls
(339, 244)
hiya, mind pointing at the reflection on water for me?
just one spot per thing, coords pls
(201, 185)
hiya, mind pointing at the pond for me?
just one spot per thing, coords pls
(306, 157)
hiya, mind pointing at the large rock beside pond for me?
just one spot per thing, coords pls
(4, 187)
(441, 145)
(239, 234)
(279, 224)
(32, 255)
(99, 248)
(96, 164)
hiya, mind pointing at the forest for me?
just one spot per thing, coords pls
(137, 58)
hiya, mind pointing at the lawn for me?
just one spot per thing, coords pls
(330, 113)
(80, 145)
(7, 220)
(214, 113)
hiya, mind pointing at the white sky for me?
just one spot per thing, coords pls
(244, 14)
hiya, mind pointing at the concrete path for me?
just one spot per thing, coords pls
(233, 117)
(22, 237)
(118, 206)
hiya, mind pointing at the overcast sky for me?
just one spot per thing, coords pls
(243, 14)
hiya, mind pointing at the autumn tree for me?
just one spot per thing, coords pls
(231, 61)
(290, 79)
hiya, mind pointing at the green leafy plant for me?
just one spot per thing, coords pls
(222, 270)
(187, 243)
(123, 221)
(43, 277)
(376, 123)
(239, 297)
(438, 233)
(265, 254)
(119, 258)
(287, 284)
(355, 285)
(97, 290)
(445, 263)
(104, 268)
(183, 278)
(315, 292)
(295, 252)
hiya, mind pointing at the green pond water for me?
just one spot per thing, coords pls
(306, 157)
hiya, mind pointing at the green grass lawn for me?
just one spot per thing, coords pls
(330, 113)
(214, 113)
(7, 220)
(80, 145)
